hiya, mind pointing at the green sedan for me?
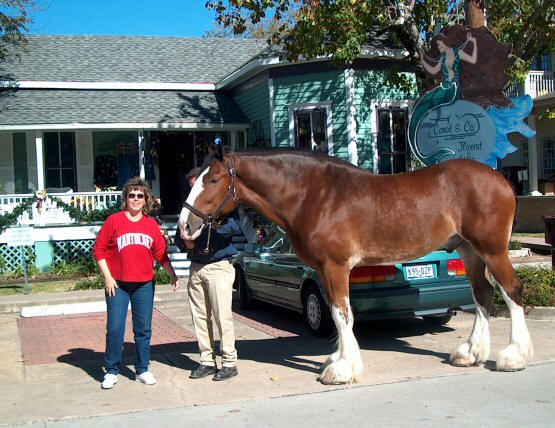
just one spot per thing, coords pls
(433, 287)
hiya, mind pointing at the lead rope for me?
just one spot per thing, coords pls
(207, 249)
(231, 191)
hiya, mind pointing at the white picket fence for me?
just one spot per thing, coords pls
(537, 84)
(50, 213)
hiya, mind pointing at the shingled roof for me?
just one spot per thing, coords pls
(85, 107)
(131, 58)
(124, 59)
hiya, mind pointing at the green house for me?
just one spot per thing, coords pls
(81, 114)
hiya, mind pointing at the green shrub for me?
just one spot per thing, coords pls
(539, 287)
(95, 283)
(75, 268)
(515, 245)
(161, 276)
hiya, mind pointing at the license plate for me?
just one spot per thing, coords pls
(420, 271)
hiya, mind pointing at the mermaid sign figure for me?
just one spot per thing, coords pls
(467, 116)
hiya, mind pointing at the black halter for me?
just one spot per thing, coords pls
(210, 219)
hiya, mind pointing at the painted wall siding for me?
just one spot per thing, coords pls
(255, 104)
(372, 92)
(312, 88)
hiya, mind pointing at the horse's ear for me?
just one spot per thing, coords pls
(219, 148)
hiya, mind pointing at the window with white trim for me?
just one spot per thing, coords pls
(311, 128)
(59, 155)
(548, 157)
(393, 156)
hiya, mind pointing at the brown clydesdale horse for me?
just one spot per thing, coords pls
(339, 216)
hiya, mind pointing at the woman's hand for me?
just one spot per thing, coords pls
(174, 282)
(110, 286)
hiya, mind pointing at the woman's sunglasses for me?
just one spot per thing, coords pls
(135, 195)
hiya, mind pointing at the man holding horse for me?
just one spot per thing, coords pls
(210, 288)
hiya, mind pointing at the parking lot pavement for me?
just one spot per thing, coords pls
(277, 357)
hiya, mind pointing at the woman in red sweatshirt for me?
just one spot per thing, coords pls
(125, 249)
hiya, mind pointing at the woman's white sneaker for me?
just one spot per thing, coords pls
(147, 378)
(109, 381)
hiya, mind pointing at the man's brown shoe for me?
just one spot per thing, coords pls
(202, 371)
(225, 373)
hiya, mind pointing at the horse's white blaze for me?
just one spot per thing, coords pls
(196, 190)
(476, 349)
(344, 365)
(519, 351)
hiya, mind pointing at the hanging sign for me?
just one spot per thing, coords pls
(468, 115)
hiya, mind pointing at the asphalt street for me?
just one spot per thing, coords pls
(484, 399)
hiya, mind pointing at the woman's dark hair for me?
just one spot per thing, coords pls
(137, 183)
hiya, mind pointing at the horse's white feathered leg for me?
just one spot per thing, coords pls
(348, 367)
(519, 351)
(333, 357)
(476, 350)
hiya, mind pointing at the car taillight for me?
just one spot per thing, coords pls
(456, 267)
(361, 274)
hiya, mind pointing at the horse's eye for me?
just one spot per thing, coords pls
(214, 181)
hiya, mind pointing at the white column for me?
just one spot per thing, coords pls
(233, 141)
(272, 112)
(140, 142)
(350, 96)
(39, 150)
(532, 156)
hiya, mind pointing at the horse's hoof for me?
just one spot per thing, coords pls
(337, 373)
(465, 356)
(511, 359)
(460, 362)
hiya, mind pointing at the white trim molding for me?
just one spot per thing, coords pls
(350, 99)
(124, 126)
(272, 112)
(148, 86)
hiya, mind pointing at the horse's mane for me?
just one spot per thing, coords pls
(307, 156)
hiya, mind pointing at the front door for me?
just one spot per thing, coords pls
(175, 160)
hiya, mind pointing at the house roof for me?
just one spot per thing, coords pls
(25, 109)
(117, 61)
(131, 58)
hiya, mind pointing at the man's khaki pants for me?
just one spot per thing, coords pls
(210, 291)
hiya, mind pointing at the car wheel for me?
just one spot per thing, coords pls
(245, 296)
(438, 319)
(317, 313)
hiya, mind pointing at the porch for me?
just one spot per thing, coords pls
(48, 210)
(537, 84)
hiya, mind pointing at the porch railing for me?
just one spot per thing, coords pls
(537, 84)
(49, 212)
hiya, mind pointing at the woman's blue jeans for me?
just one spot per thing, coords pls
(142, 303)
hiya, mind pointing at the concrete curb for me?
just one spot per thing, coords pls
(74, 302)
(538, 313)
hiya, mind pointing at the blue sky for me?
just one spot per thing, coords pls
(123, 17)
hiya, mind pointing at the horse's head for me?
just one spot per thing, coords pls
(212, 196)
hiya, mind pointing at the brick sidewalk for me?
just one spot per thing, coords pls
(81, 337)
(65, 338)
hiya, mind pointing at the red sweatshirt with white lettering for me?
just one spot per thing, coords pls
(130, 248)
